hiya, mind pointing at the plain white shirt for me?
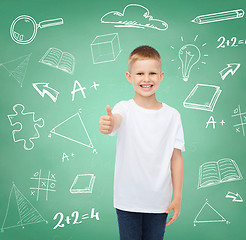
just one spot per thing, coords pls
(145, 143)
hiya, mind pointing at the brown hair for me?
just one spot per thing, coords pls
(141, 53)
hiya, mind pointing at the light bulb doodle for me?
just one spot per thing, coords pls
(189, 55)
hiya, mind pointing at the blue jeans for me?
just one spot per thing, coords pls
(141, 226)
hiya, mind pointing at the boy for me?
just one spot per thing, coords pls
(148, 157)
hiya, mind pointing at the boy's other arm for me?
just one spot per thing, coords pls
(110, 122)
(177, 181)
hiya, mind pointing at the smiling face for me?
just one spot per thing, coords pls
(145, 76)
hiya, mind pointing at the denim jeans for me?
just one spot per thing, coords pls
(141, 226)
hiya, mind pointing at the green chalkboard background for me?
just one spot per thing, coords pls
(82, 23)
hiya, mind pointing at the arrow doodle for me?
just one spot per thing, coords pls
(231, 68)
(235, 197)
(43, 88)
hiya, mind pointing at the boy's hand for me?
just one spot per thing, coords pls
(175, 206)
(106, 123)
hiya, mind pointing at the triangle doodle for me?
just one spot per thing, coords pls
(23, 213)
(73, 129)
(17, 68)
(208, 214)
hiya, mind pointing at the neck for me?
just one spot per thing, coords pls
(149, 102)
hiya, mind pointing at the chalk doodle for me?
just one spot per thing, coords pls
(17, 68)
(76, 217)
(208, 214)
(43, 88)
(235, 197)
(189, 55)
(212, 121)
(73, 129)
(230, 69)
(134, 16)
(105, 48)
(95, 85)
(233, 42)
(220, 16)
(45, 184)
(24, 28)
(213, 173)
(203, 97)
(242, 118)
(56, 58)
(20, 211)
(19, 118)
(66, 157)
(83, 183)
(77, 89)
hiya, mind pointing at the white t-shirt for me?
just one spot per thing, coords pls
(145, 143)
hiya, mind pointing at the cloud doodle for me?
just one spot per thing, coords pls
(134, 15)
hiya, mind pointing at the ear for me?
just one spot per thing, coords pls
(161, 76)
(128, 77)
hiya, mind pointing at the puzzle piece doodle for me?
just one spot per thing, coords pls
(19, 118)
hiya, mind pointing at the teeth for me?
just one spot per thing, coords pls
(145, 86)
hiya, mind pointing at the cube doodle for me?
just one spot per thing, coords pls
(105, 48)
(23, 120)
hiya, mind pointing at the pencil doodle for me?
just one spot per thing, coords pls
(220, 16)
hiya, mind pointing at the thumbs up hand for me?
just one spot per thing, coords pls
(106, 123)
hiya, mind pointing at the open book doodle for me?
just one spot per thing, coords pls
(212, 173)
(203, 97)
(64, 61)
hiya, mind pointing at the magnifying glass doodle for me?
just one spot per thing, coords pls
(24, 28)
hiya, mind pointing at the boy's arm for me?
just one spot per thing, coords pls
(177, 181)
(110, 122)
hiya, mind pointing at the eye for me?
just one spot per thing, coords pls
(153, 73)
(139, 73)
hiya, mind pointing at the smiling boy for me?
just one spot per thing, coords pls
(149, 163)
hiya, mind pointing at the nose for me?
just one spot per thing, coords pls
(146, 78)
